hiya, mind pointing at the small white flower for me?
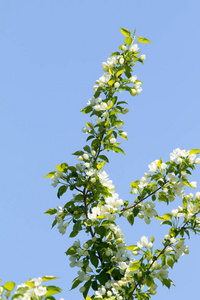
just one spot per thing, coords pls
(95, 87)
(193, 184)
(198, 195)
(113, 140)
(197, 161)
(40, 291)
(93, 180)
(80, 158)
(163, 166)
(123, 134)
(143, 57)
(121, 61)
(97, 107)
(153, 166)
(105, 66)
(85, 156)
(98, 120)
(143, 242)
(133, 92)
(133, 78)
(179, 160)
(192, 158)
(116, 85)
(105, 114)
(93, 152)
(123, 47)
(91, 101)
(134, 48)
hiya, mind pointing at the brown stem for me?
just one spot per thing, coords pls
(135, 204)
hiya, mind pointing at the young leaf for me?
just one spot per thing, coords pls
(51, 290)
(125, 31)
(51, 211)
(51, 174)
(194, 151)
(10, 285)
(119, 73)
(48, 278)
(86, 109)
(128, 41)
(62, 189)
(143, 40)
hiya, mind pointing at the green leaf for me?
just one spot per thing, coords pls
(62, 189)
(130, 219)
(51, 211)
(87, 148)
(135, 266)
(186, 182)
(54, 223)
(119, 73)
(125, 31)
(78, 153)
(111, 82)
(30, 283)
(87, 109)
(59, 168)
(101, 231)
(103, 157)
(149, 281)
(10, 285)
(94, 259)
(132, 248)
(167, 216)
(48, 278)
(98, 92)
(143, 40)
(89, 125)
(71, 250)
(166, 282)
(166, 223)
(184, 202)
(51, 290)
(194, 151)
(76, 283)
(102, 277)
(116, 149)
(50, 298)
(128, 41)
(170, 262)
(100, 165)
(135, 184)
(159, 218)
(51, 174)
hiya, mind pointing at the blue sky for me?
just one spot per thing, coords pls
(51, 55)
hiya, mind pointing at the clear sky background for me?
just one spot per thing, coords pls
(50, 56)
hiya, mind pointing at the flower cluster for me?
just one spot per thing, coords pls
(30, 290)
(106, 264)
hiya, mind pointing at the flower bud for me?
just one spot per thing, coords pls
(152, 238)
(113, 140)
(93, 152)
(143, 57)
(197, 161)
(198, 195)
(116, 85)
(133, 92)
(134, 48)
(85, 156)
(123, 47)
